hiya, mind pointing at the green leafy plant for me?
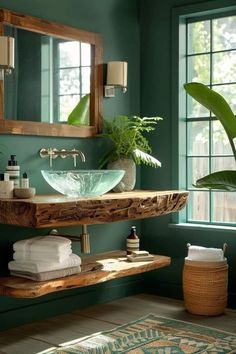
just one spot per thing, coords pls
(80, 114)
(127, 135)
(216, 103)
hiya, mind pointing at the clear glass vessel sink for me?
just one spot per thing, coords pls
(83, 183)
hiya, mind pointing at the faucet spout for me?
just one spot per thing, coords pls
(76, 153)
(82, 156)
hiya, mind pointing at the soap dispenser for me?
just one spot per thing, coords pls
(13, 169)
(6, 186)
(132, 241)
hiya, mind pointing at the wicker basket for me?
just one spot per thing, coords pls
(205, 287)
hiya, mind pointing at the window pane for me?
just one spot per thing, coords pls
(198, 206)
(85, 54)
(224, 67)
(69, 54)
(223, 207)
(220, 141)
(219, 163)
(198, 37)
(224, 35)
(195, 109)
(198, 138)
(85, 80)
(229, 93)
(67, 104)
(69, 81)
(197, 168)
(199, 69)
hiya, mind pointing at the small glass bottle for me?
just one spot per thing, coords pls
(132, 241)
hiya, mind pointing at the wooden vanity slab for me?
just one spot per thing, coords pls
(58, 210)
(112, 268)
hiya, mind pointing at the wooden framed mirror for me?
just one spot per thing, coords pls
(55, 65)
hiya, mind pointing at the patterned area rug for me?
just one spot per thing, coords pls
(151, 335)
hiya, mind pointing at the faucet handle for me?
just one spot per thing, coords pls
(50, 152)
(74, 157)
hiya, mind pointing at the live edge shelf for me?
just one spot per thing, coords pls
(57, 210)
(112, 268)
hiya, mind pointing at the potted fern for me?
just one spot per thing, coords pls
(129, 146)
(225, 179)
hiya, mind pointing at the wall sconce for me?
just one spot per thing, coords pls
(6, 54)
(116, 77)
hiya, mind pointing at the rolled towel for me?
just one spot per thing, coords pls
(41, 243)
(59, 256)
(41, 266)
(199, 253)
(53, 274)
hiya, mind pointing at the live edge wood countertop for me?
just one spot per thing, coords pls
(58, 210)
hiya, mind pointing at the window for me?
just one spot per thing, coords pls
(68, 82)
(74, 69)
(209, 57)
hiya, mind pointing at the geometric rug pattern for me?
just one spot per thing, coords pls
(154, 335)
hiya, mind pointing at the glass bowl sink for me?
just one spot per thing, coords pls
(83, 183)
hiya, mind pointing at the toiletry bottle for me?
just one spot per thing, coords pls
(6, 187)
(132, 241)
(13, 169)
(24, 181)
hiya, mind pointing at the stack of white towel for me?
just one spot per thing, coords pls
(44, 257)
(199, 253)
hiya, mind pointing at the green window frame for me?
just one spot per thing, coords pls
(202, 144)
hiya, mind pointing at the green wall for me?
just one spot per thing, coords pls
(139, 32)
(117, 22)
(157, 90)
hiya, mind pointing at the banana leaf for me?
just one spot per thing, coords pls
(217, 105)
(225, 180)
(80, 114)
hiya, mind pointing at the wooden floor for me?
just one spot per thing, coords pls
(39, 336)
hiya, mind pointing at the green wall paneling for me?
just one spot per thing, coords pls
(141, 33)
(31, 310)
(117, 22)
(158, 94)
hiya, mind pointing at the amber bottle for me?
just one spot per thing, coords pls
(132, 241)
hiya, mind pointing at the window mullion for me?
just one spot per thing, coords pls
(210, 124)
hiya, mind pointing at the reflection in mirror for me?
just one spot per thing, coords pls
(55, 66)
(50, 77)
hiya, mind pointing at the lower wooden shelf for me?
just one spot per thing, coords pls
(95, 269)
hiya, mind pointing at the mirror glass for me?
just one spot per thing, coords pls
(55, 66)
(50, 77)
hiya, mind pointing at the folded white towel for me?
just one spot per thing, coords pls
(41, 243)
(205, 254)
(42, 266)
(43, 276)
(60, 256)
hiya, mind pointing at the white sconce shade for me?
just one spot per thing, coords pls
(6, 53)
(116, 77)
